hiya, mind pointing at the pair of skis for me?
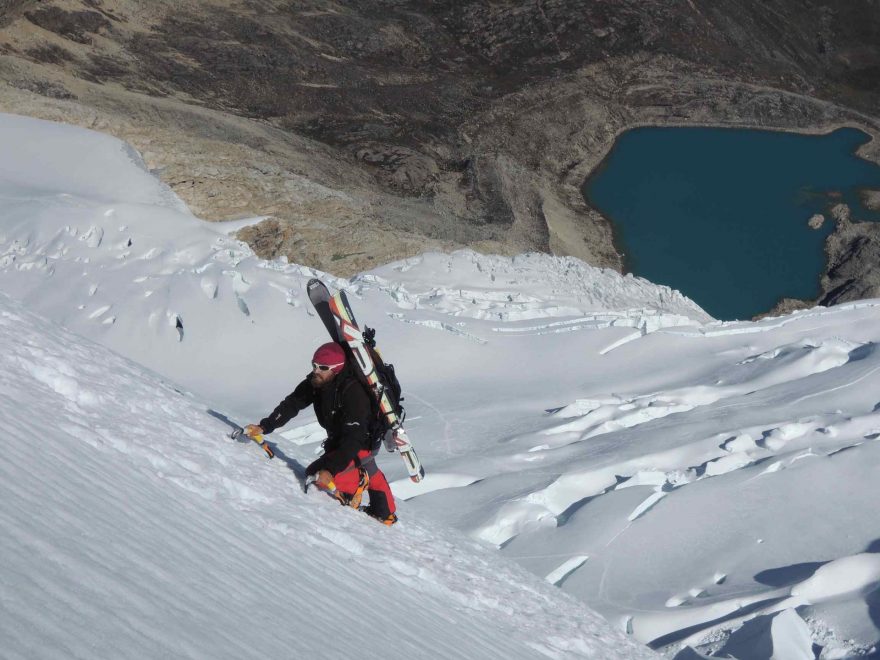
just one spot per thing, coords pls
(338, 318)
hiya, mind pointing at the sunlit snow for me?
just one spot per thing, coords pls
(697, 483)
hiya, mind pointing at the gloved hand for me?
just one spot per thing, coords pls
(324, 480)
(253, 430)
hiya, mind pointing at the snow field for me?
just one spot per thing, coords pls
(702, 485)
(763, 496)
(135, 528)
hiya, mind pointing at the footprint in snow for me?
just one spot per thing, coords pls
(58, 377)
(403, 568)
(244, 493)
(83, 434)
(342, 540)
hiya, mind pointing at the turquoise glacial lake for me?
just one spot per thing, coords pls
(721, 214)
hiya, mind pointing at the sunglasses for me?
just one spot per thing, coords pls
(325, 367)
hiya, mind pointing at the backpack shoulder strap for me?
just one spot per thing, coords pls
(349, 380)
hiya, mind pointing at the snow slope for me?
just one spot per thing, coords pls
(133, 529)
(139, 275)
(698, 483)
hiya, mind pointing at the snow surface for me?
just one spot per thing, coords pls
(700, 484)
(132, 530)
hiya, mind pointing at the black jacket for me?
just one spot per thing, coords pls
(342, 408)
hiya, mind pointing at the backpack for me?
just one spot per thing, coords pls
(388, 380)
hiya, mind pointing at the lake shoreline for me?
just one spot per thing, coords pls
(852, 247)
(699, 144)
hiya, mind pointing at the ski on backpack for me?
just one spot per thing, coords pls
(338, 318)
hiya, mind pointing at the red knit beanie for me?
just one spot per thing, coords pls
(332, 355)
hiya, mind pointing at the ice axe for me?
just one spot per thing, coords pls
(257, 437)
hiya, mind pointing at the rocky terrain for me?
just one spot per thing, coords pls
(853, 260)
(852, 263)
(367, 131)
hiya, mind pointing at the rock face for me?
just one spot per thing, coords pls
(853, 268)
(374, 130)
(841, 213)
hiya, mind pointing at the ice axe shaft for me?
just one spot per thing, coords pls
(258, 438)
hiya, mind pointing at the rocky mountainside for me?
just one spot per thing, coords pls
(367, 131)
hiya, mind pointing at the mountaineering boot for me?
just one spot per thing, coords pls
(389, 520)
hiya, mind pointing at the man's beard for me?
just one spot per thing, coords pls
(319, 383)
